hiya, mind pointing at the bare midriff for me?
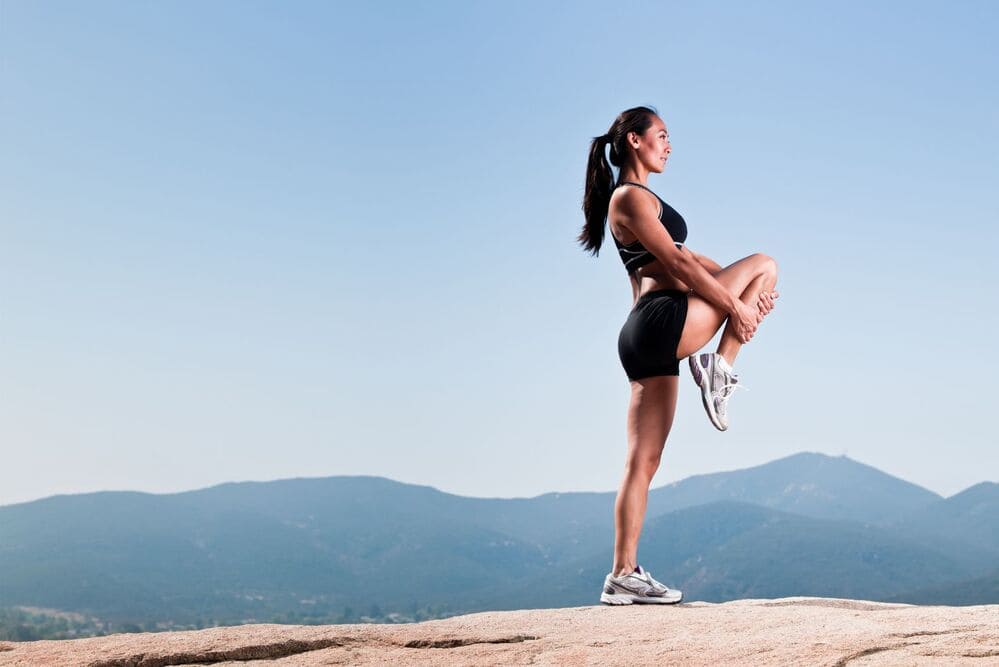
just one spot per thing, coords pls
(654, 276)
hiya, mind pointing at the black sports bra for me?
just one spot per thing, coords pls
(634, 255)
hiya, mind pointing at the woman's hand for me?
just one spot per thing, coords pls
(744, 321)
(766, 302)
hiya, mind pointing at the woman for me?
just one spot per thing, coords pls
(681, 299)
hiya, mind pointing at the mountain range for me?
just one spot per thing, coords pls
(349, 548)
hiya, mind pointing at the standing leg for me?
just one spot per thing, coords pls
(650, 417)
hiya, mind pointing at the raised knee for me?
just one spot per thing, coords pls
(767, 264)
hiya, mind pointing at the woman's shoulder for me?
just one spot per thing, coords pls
(636, 190)
(634, 193)
(636, 200)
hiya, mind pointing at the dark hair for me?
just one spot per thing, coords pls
(600, 179)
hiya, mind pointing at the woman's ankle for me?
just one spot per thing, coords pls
(623, 570)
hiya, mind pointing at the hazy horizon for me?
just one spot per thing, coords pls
(443, 490)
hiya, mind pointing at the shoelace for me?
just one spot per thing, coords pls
(725, 391)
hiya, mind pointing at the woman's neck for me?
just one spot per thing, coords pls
(633, 176)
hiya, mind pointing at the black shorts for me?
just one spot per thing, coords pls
(649, 338)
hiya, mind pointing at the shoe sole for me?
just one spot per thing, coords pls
(624, 598)
(709, 405)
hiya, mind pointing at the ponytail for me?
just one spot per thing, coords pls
(600, 177)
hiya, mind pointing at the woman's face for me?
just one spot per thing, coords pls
(652, 149)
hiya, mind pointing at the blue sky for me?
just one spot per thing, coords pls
(266, 240)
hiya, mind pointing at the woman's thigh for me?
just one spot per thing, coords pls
(650, 418)
(703, 318)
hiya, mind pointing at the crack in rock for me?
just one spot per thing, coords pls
(257, 652)
(867, 651)
(459, 641)
(984, 653)
(922, 633)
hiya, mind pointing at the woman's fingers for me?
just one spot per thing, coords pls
(765, 303)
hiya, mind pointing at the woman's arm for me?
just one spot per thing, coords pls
(709, 264)
(638, 213)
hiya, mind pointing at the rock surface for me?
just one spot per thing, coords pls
(813, 631)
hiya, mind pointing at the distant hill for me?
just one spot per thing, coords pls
(970, 517)
(250, 551)
(344, 548)
(815, 485)
(810, 484)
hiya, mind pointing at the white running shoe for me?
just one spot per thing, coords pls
(717, 382)
(637, 588)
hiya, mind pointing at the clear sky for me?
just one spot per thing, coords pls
(259, 240)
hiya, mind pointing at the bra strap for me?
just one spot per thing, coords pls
(634, 183)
